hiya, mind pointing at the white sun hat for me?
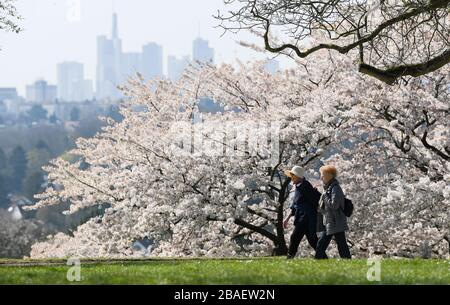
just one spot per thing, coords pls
(296, 170)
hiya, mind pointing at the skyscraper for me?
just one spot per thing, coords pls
(176, 67)
(10, 99)
(117, 49)
(130, 64)
(115, 27)
(72, 87)
(202, 52)
(152, 60)
(8, 94)
(109, 53)
(41, 92)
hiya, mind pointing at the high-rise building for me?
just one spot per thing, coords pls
(109, 53)
(41, 92)
(117, 50)
(8, 94)
(9, 99)
(130, 64)
(69, 74)
(152, 60)
(202, 52)
(88, 90)
(72, 87)
(176, 67)
(106, 79)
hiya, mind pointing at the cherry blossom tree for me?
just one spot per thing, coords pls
(9, 16)
(18, 235)
(388, 39)
(211, 183)
(398, 163)
(222, 194)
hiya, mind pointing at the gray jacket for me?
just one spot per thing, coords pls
(331, 207)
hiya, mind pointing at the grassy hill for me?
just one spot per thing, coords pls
(225, 271)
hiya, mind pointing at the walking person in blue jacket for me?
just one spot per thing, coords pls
(304, 209)
(331, 208)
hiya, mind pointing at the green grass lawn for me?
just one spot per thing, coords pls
(227, 271)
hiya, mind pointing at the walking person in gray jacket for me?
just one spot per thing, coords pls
(331, 207)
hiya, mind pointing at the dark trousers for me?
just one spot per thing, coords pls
(301, 230)
(324, 242)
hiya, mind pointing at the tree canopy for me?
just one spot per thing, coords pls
(9, 16)
(388, 39)
(212, 183)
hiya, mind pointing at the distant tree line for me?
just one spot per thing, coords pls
(20, 171)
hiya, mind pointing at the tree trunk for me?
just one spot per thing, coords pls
(280, 248)
(447, 238)
(280, 245)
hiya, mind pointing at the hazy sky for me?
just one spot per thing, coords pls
(52, 34)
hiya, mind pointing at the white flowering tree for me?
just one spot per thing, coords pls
(388, 39)
(9, 16)
(397, 168)
(197, 186)
(211, 184)
(18, 235)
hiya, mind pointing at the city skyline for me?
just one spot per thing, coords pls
(114, 66)
(139, 25)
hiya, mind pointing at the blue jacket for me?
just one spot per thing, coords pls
(305, 204)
